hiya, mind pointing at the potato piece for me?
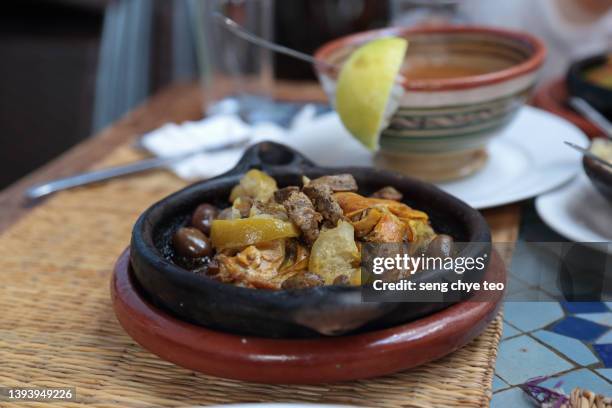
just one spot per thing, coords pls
(249, 231)
(254, 184)
(335, 253)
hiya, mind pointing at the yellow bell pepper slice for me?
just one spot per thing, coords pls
(249, 231)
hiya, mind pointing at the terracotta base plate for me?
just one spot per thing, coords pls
(308, 361)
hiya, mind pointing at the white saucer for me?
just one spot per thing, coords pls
(527, 159)
(577, 211)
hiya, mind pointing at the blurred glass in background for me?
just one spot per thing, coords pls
(236, 76)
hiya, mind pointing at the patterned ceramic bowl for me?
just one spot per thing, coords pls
(462, 86)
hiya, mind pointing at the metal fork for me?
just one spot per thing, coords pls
(40, 190)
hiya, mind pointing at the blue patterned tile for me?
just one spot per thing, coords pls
(530, 295)
(514, 397)
(583, 378)
(518, 290)
(579, 328)
(605, 319)
(515, 285)
(521, 358)
(509, 331)
(498, 384)
(585, 307)
(605, 372)
(538, 269)
(528, 316)
(574, 349)
(605, 338)
(605, 353)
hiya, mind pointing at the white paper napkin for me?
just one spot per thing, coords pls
(172, 139)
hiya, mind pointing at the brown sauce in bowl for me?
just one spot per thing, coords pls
(442, 71)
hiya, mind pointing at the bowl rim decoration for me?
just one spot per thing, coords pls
(202, 300)
(531, 64)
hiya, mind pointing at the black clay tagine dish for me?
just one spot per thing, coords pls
(164, 232)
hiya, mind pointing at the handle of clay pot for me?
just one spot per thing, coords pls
(269, 155)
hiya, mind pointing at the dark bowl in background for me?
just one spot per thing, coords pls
(328, 310)
(600, 175)
(598, 96)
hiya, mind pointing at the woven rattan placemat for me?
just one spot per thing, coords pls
(57, 326)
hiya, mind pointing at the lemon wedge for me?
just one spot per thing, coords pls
(365, 85)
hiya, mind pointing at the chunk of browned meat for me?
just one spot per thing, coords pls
(388, 193)
(302, 213)
(281, 195)
(302, 281)
(276, 210)
(337, 182)
(324, 202)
